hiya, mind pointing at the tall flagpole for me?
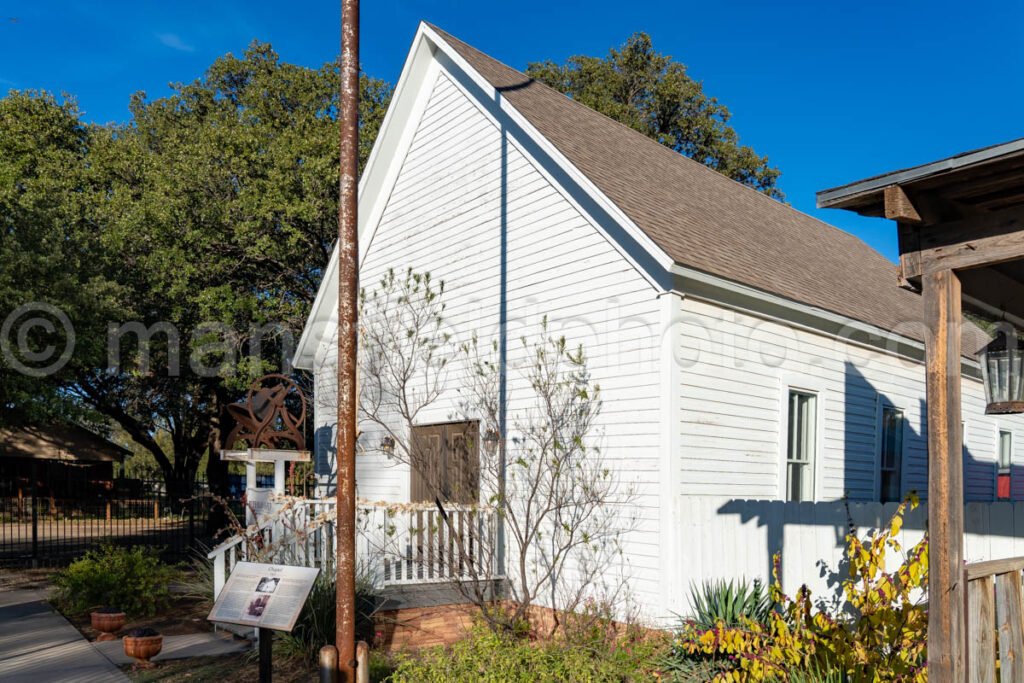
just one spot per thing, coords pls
(348, 284)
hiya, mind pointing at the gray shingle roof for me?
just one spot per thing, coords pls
(704, 220)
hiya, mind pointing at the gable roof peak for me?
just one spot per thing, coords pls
(701, 218)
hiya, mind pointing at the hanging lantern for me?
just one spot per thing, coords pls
(491, 439)
(1002, 370)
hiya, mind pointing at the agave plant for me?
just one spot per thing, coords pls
(726, 601)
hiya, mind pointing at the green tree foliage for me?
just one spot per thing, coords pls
(216, 204)
(652, 93)
(49, 250)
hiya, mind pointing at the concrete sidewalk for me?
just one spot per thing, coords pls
(38, 645)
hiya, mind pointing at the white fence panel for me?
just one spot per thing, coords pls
(725, 538)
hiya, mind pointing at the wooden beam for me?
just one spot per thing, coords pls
(946, 642)
(978, 570)
(967, 243)
(999, 294)
(898, 206)
(909, 240)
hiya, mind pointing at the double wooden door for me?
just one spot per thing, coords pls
(445, 463)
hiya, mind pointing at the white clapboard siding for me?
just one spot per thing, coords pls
(811, 538)
(444, 216)
(735, 370)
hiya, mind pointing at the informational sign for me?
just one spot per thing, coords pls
(264, 595)
(261, 503)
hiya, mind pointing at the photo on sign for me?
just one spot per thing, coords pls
(257, 605)
(267, 585)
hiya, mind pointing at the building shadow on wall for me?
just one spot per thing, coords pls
(859, 510)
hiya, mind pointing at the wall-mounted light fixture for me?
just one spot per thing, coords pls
(387, 445)
(491, 439)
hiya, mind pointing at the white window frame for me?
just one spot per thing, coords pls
(801, 385)
(964, 450)
(883, 404)
(1000, 430)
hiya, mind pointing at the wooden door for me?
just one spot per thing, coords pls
(445, 463)
(462, 463)
(426, 468)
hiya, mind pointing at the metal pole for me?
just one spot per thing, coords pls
(266, 638)
(35, 515)
(348, 284)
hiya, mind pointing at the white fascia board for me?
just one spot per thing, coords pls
(375, 185)
(760, 304)
(752, 294)
(656, 254)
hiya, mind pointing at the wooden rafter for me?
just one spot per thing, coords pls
(993, 238)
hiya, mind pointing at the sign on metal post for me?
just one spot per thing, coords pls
(269, 597)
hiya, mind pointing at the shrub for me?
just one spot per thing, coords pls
(729, 602)
(882, 639)
(315, 626)
(486, 656)
(134, 580)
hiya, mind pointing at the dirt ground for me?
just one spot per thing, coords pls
(23, 579)
(221, 670)
(184, 616)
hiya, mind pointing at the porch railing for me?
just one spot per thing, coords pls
(995, 620)
(415, 544)
(395, 543)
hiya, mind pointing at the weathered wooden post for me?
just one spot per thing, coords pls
(946, 644)
(960, 225)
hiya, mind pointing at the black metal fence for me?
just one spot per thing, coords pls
(52, 526)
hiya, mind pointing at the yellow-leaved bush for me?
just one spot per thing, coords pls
(881, 636)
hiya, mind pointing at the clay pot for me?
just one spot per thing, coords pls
(143, 648)
(106, 623)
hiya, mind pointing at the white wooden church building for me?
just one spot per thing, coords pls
(758, 366)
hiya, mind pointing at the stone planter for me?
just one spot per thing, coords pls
(106, 621)
(142, 645)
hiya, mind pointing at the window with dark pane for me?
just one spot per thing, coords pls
(891, 457)
(1005, 465)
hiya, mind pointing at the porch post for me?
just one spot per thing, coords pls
(946, 644)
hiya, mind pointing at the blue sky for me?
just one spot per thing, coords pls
(830, 91)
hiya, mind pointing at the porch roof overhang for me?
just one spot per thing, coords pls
(960, 224)
(59, 441)
(964, 213)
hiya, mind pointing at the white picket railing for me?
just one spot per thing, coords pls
(414, 544)
(395, 543)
